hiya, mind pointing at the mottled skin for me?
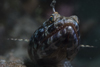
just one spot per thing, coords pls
(56, 40)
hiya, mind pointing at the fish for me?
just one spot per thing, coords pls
(57, 39)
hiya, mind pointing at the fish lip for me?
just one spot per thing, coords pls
(61, 28)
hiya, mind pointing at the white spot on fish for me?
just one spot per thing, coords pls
(50, 40)
(69, 27)
(65, 31)
(70, 30)
(59, 34)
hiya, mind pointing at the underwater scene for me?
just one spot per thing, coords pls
(49, 33)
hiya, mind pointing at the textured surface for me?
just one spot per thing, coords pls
(11, 61)
(57, 39)
(20, 19)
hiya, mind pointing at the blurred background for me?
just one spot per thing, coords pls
(20, 18)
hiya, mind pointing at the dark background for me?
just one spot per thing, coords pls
(20, 18)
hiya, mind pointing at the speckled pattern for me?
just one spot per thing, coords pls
(11, 61)
(57, 39)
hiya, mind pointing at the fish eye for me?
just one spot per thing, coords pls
(51, 18)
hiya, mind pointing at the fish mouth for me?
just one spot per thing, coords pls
(57, 31)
